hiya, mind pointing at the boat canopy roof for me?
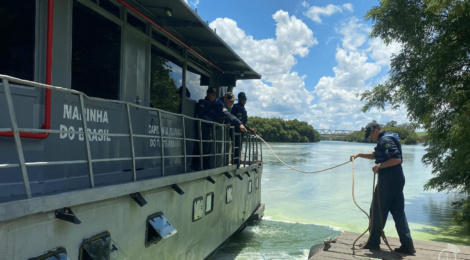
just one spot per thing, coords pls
(188, 27)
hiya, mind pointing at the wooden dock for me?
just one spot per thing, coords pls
(341, 248)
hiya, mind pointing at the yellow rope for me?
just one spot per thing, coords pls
(257, 136)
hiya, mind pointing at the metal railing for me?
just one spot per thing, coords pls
(252, 151)
(225, 141)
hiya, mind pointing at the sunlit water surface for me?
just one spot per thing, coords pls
(304, 209)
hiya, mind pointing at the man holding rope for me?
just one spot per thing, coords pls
(388, 157)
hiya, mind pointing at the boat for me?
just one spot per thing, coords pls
(98, 134)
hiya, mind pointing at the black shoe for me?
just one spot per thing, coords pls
(377, 247)
(405, 250)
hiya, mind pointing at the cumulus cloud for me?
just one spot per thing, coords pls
(281, 92)
(338, 107)
(314, 12)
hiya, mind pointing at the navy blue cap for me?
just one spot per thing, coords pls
(241, 95)
(371, 127)
(211, 90)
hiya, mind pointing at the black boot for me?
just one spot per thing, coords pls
(408, 250)
(377, 247)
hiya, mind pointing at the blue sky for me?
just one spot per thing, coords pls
(313, 56)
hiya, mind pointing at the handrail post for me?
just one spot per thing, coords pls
(161, 142)
(16, 135)
(215, 145)
(249, 150)
(201, 166)
(242, 135)
(255, 140)
(87, 143)
(184, 144)
(233, 148)
(134, 174)
(261, 149)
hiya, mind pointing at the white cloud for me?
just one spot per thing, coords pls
(314, 12)
(192, 3)
(338, 107)
(285, 92)
(282, 92)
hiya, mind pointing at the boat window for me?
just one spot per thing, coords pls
(166, 78)
(135, 22)
(158, 227)
(209, 203)
(198, 209)
(96, 53)
(100, 247)
(228, 198)
(250, 186)
(257, 183)
(17, 44)
(55, 254)
(108, 6)
(193, 83)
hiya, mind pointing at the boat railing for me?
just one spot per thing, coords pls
(225, 140)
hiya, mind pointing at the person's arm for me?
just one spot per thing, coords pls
(231, 119)
(369, 156)
(389, 163)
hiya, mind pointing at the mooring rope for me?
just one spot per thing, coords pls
(354, 199)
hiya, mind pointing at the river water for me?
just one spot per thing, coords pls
(305, 209)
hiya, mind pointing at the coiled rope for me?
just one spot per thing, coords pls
(354, 199)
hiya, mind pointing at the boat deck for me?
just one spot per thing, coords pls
(341, 248)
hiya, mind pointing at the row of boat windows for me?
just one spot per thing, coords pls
(158, 227)
(96, 53)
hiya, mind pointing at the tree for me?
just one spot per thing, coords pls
(391, 124)
(431, 78)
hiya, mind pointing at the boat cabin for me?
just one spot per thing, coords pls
(129, 72)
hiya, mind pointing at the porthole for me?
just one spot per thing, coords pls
(58, 253)
(99, 247)
(209, 203)
(158, 227)
(198, 209)
(228, 197)
(250, 186)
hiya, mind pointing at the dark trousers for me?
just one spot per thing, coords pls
(389, 191)
(206, 130)
(237, 150)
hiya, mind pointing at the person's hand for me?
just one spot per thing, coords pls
(253, 131)
(354, 156)
(375, 169)
(242, 128)
(228, 126)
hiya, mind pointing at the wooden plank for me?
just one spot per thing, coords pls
(342, 249)
(395, 242)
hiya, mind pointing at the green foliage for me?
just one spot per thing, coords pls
(406, 136)
(431, 78)
(163, 89)
(279, 130)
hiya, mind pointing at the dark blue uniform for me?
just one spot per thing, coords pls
(389, 191)
(214, 111)
(239, 111)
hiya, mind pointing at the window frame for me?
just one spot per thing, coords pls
(194, 201)
(250, 187)
(91, 239)
(147, 243)
(226, 194)
(212, 203)
(50, 253)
